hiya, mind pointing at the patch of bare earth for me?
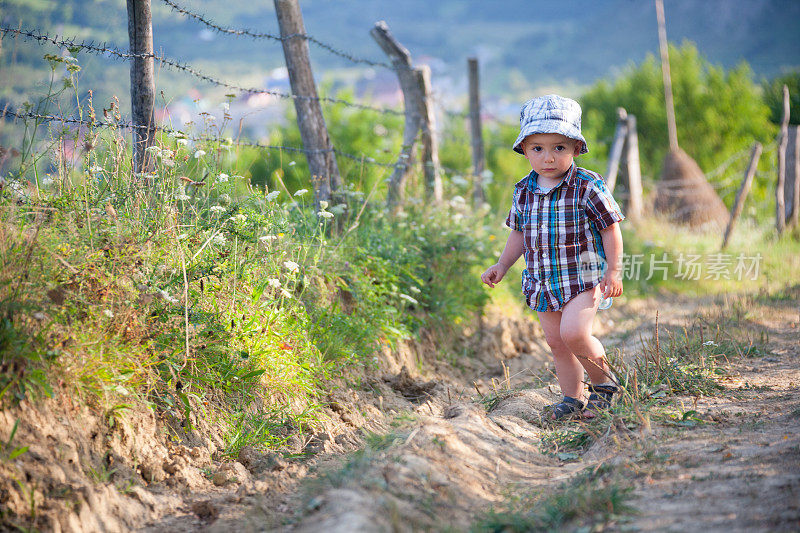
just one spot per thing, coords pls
(741, 471)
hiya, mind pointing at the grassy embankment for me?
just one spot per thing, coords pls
(190, 292)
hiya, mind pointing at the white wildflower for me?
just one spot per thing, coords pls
(182, 142)
(225, 106)
(217, 209)
(292, 163)
(325, 214)
(220, 239)
(164, 294)
(275, 283)
(409, 298)
(183, 236)
(459, 180)
(108, 313)
(273, 195)
(95, 169)
(301, 192)
(323, 205)
(182, 195)
(291, 266)
(268, 238)
(198, 154)
(710, 343)
(152, 149)
(414, 289)
(238, 219)
(222, 177)
(285, 293)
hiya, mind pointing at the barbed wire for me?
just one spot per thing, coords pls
(262, 35)
(167, 130)
(90, 46)
(72, 44)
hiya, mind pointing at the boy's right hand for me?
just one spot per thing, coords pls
(494, 274)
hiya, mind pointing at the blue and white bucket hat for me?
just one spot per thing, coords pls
(550, 114)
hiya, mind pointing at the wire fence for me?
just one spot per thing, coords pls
(46, 118)
(75, 46)
(268, 36)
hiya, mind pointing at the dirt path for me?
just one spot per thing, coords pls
(741, 472)
(434, 454)
(736, 469)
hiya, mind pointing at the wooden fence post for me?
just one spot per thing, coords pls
(313, 132)
(409, 83)
(430, 145)
(780, 205)
(664, 49)
(792, 183)
(635, 203)
(615, 154)
(741, 194)
(143, 88)
(478, 155)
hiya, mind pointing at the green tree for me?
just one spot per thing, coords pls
(719, 112)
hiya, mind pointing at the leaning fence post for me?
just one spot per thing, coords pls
(430, 146)
(635, 203)
(143, 88)
(780, 205)
(792, 184)
(478, 156)
(401, 61)
(313, 132)
(615, 154)
(741, 194)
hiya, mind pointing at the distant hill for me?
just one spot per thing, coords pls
(523, 45)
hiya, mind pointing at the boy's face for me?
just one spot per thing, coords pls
(550, 154)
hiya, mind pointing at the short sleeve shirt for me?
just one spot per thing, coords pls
(562, 245)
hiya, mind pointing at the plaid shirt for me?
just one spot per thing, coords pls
(561, 229)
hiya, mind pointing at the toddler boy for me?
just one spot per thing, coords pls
(565, 221)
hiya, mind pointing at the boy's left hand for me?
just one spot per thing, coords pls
(611, 284)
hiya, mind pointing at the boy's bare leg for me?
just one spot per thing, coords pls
(568, 369)
(576, 332)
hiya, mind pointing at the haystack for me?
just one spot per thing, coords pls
(685, 196)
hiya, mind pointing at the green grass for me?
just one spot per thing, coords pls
(588, 502)
(755, 259)
(220, 302)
